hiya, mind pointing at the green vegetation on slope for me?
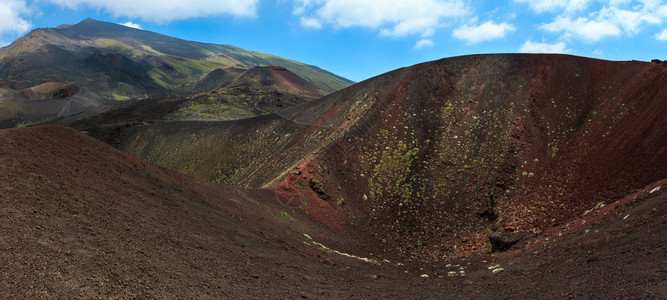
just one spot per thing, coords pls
(232, 104)
(439, 155)
(194, 148)
(157, 61)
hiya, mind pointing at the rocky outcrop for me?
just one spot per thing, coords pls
(503, 240)
(318, 188)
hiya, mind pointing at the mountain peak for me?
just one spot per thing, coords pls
(90, 21)
(68, 54)
(91, 26)
(85, 22)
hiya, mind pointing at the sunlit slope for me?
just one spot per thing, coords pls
(71, 53)
(439, 154)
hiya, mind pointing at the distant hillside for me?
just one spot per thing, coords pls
(91, 48)
(269, 78)
(216, 79)
(111, 62)
(279, 79)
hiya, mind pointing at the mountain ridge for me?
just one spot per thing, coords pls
(118, 63)
(90, 34)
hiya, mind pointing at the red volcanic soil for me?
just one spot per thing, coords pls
(449, 151)
(82, 219)
(217, 78)
(387, 189)
(278, 78)
(49, 90)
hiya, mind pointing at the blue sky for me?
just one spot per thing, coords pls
(358, 39)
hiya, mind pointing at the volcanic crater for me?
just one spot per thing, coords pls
(389, 188)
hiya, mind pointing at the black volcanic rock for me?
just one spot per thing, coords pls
(503, 241)
(318, 188)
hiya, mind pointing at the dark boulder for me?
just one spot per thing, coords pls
(318, 188)
(503, 241)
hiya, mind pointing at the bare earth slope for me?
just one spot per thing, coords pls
(431, 159)
(81, 219)
(279, 79)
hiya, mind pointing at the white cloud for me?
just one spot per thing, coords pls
(543, 5)
(569, 6)
(391, 17)
(310, 23)
(576, 5)
(619, 2)
(483, 32)
(11, 17)
(598, 52)
(530, 47)
(132, 25)
(166, 11)
(662, 36)
(588, 30)
(300, 6)
(629, 21)
(661, 12)
(614, 18)
(424, 43)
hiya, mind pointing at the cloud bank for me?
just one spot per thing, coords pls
(568, 6)
(575, 20)
(394, 18)
(160, 11)
(12, 18)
